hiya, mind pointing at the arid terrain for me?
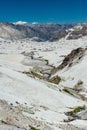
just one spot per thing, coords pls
(43, 78)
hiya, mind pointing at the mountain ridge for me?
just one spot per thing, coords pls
(44, 32)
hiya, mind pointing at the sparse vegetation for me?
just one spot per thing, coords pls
(55, 80)
(44, 107)
(33, 128)
(67, 91)
(76, 110)
(47, 61)
(35, 74)
(3, 122)
(26, 109)
(80, 82)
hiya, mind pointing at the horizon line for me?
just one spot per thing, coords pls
(36, 22)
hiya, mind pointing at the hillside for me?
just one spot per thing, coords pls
(43, 84)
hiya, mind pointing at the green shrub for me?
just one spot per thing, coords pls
(33, 128)
(76, 110)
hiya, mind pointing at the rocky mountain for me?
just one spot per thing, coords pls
(78, 31)
(9, 31)
(40, 32)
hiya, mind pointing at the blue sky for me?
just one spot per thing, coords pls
(57, 11)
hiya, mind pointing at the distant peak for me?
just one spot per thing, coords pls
(34, 23)
(20, 23)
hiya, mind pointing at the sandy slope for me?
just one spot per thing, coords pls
(40, 101)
